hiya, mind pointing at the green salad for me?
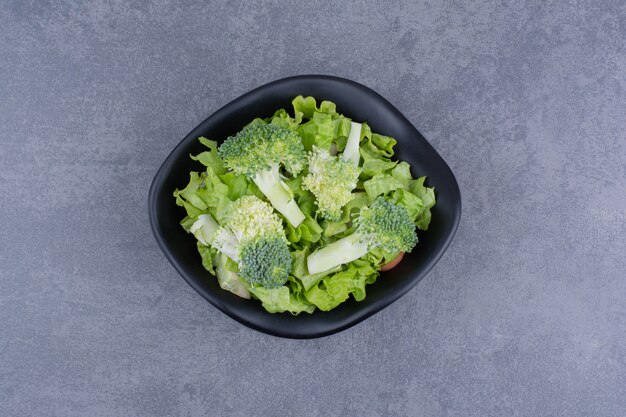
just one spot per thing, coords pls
(303, 209)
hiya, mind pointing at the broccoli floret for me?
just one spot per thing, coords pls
(263, 252)
(258, 151)
(331, 179)
(252, 235)
(383, 224)
(265, 262)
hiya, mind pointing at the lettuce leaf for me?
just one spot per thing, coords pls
(372, 167)
(410, 201)
(402, 173)
(205, 192)
(306, 106)
(324, 127)
(427, 195)
(207, 254)
(209, 158)
(237, 185)
(336, 288)
(381, 184)
(283, 119)
(301, 273)
(344, 225)
(281, 299)
(384, 144)
(308, 232)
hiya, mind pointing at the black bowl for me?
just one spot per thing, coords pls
(357, 102)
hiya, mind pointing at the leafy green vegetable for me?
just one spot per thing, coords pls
(280, 300)
(325, 125)
(281, 118)
(207, 254)
(384, 143)
(304, 106)
(381, 184)
(347, 198)
(307, 233)
(372, 167)
(209, 158)
(428, 201)
(301, 272)
(336, 288)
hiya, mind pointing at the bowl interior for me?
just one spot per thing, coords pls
(357, 102)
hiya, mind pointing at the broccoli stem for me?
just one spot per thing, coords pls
(272, 187)
(344, 250)
(351, 152)
(228, 279)
(204, 228)
(227, 244)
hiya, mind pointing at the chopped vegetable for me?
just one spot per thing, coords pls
(384, 225)
(344, 210)
(258, 151)
(331, 179)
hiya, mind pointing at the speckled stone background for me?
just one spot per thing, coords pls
(525, 315)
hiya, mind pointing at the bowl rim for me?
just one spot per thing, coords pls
(361, 315)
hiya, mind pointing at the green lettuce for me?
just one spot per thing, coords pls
(281, 299)
(207, 254)
(381, 184)
(427, 195)
(205, 192)
(334, 289)
(283, 119)
(324, 127)
(300, 272)
(209, 158)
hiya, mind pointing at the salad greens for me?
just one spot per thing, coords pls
(302, 209)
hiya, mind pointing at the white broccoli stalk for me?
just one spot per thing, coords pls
(210, 233)
(351, 152)
(273, 187)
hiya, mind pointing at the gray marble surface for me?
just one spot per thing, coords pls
(525, 315)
